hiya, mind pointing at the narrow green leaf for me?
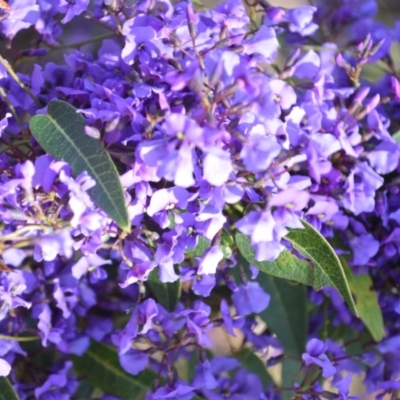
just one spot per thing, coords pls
(286, 314)
(61, 133)
(167, 294)
(7, 392)
(326, 266)
(100, 366)
(254, 364)
(287, 317)
(367, 304)
(286, 266)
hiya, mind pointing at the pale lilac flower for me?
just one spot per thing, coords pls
(5, 367)
(316, 355)
(71, 9)
(24, 13)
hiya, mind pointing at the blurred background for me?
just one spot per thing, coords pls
(389, 10)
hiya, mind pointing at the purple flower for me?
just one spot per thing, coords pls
(343, 387)
(50, 246)
(364, 247)
(259, 226)
(229, 321)
(57, 386)
(263, 42)
(283, 94)
(217, 166)
(71, 9)
(134, 361)
(250, 298)
(47, 332)
(204, 376)
(24, 13)
(197, 322)
(291, 199)
(181, 392)
(90, 263)
(164, 201)
(203, 284)
(316, 355)
(140, 33)
(4, 122)
(301, 20)
(10, 291)
(209, 262)
(259, 152)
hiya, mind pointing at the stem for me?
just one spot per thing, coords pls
(15, 145)
(83, 42)
(17, 233)
(19, 338)
(16, 78)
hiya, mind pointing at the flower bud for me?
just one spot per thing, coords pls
(293, 58)
(362, 46)
(361, 95)
(376, 47)
(341, 62)
(191, 20)
(374, 102)
(395, 87)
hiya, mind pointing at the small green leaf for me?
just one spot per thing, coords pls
(167, 294)
(100, 366)
(254, 364)
(326, 266)
(7, 392)
(226, 239)
(396, 137)
(226, 244)
(367, 304)
(286, 266)
(61, 133)
(202, 245)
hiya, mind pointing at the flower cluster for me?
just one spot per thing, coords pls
(244, 118)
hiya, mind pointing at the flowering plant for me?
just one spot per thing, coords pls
(198, 203)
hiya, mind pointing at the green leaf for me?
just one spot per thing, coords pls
(286, 266)
(286, 314)
(367, 304)
(61, 133)
(7, 392)
(100, 366)
(254, 364)
(202, 245)
(85, 390)
(326, 266)
(167, 294)
(226, 244)
(287, 317)
(396, 137)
